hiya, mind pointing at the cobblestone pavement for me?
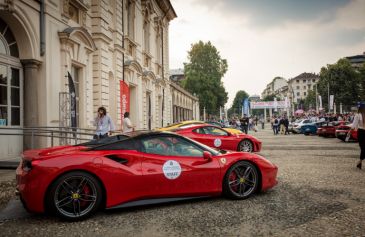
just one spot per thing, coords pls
(320, 192)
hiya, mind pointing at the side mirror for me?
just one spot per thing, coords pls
(207, 155)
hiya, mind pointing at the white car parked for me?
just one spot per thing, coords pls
(299, 124)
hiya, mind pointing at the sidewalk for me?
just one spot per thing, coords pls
(9, 165)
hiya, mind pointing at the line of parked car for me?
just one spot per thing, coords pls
(336, 129)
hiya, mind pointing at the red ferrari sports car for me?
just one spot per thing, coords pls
(216, 137)
(137, 169)
(329, 129)
(343, 130)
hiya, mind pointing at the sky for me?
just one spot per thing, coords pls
(262, 39)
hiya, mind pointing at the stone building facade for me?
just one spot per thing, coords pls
(274, 86)
(299, 86)
(100, 43)
(184, 105)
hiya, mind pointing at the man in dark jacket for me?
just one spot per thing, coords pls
(244, 123)
(286, 124)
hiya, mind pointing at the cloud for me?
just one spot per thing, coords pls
(269, 13)
(264, 39)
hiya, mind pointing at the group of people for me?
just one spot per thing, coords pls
(280, 124)
(246, 123)
(330, 117)
(105, 126)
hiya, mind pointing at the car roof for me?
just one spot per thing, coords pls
(195, 126)
(143, 133)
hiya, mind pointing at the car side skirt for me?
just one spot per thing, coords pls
(153, 201)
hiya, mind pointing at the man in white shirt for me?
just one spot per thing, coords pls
(359, 124)
(104, 124)
(127, 124)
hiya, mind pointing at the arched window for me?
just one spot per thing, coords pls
(10, 78)
(8, 44)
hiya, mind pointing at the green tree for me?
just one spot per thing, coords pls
(203, 76)
(270, 98)
(362, 82)
(310, 100)
(343, 82)
(237, 103)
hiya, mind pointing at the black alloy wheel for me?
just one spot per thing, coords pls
(245, 145)
(241, 180)
(74, 196)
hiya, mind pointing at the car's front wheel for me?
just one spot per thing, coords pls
(241, 180)
(245, 145)
(74, 196)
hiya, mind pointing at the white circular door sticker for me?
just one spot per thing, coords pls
(217, 142)
(171, 169)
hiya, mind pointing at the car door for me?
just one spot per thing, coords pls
(219, 138)
(123, 164)
(174, 166)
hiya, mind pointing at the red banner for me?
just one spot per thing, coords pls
(124, 98)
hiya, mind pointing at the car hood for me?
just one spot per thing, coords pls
(233, 131)
(247, 136)
(234, 156)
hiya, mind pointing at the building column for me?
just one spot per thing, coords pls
(31, 100)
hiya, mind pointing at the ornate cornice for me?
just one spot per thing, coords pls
(8, 6)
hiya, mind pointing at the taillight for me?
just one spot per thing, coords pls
(26, 165)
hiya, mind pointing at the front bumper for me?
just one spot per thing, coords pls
(258, 146)
(269, 178)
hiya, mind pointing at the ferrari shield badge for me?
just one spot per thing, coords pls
(217, 142)
(223, 160)
(171, 169)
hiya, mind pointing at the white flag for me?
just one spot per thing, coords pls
(275, 105)
(332, 98)
(320, 102)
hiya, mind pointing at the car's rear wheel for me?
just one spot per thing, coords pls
(74, 196)
(241, 180)
(245, 145)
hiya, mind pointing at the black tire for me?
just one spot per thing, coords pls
(74, 196)
(245, 145)
(241, 180)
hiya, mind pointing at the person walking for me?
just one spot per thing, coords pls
(104, 124)
(286, 124)
(127, 123)
(282, 126)
(275, 126)
(244, 123)
(262, 121)
(359, 124)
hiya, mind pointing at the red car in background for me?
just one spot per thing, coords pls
(343, 130)
(329, 129)
(138, 168)
(216, 137)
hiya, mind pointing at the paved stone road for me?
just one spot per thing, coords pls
(320, 192)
